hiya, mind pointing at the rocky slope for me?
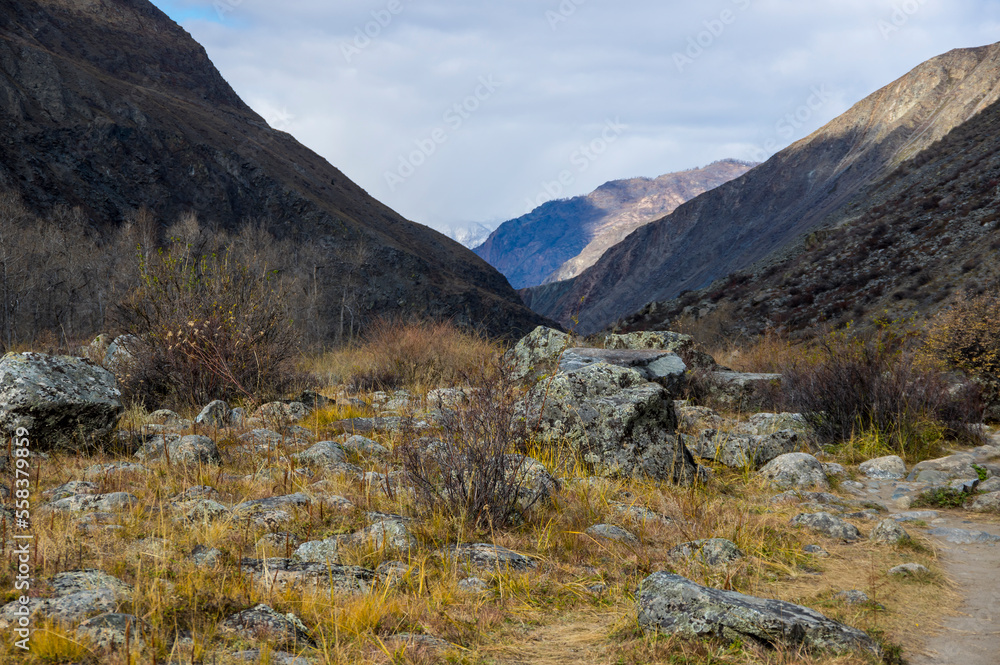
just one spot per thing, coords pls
(795, 192)
(110, 106)
(928, 232)
(561, 239)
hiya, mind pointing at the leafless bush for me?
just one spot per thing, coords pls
(474, 472)
(870, 383)
(205, 327)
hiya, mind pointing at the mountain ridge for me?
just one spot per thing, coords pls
(801, 187)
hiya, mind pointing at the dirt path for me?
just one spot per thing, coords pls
(972, 637)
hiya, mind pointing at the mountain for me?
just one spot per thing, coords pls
(560, 239)
(799, 190)
(904, 248)
(109, 106)
(470, 235)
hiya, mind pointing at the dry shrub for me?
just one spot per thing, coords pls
(407, 354)
(870, 383)
(205, 327)
(966, 337)
(474, 472)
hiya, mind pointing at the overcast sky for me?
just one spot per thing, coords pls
(452, 111)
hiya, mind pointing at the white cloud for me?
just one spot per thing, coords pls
(561, 81)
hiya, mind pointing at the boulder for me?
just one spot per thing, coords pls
(263, 623)
(536, 486)
(696, 418)
(77, 595)
(986, 503)
(891, 467)
(191, 450)
(711, 552)
(762, 424)
(942, 470)
(282, 413)
(674, 605)
(888, 532)
(621, 424)
(62, 402)
(795, 471)
(120, 354)
(324, 453)
(613, 533)
(273, 503)
(215, 415)
(198, 511)
(109, 632)
(365, 446)
(537, 354)
(829, 525)
(280, 575)
(483, 555)
(115, 501)
(738, 390)
(682, 345)
(740, 452)
(661, 367)
(385, 534)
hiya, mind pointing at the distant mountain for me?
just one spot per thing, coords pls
(470, 235)
(561, 239)
(926, 234)
(110, 106)
(799, 190)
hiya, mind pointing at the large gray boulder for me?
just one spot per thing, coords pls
(661, 367)
(738, 390)
(621, 424)
(795, 471)
(740, 452)
(538, 353)
(674, 605)
(672, 342)
(63, 402)
(960, 466)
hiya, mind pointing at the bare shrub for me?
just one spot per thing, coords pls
(871, 384)
(205, 327)
(474, 472)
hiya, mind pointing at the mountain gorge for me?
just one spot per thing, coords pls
(109, 107)
(805, 187)
(560, 239)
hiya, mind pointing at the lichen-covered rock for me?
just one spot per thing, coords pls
(102, 471)
(200, 511)
(795, 471)
(891, 467)
(63, 402)
(78, 595)
(115, 501)
(215, 415)
(286, 574)
(535, 485)
(109, 632)
(365, 446)
(263, 623)
(986, 503)
(319, 551)
(888, 532)
(696, 418)
(537, 353)
(191, 450)
(324, 454)
(674, 605)
(620, 423)
(908, 569)
(385, 534)
(483, 555)
(671, 342)
(762, 424)
(287, 502)
(661, 367)
(613, 533)
(740, 391)
(711, 552)
(282, 413)
(954, 467)
(829, 525)
(746, 452)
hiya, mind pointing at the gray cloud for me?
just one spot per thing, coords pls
(745, 84)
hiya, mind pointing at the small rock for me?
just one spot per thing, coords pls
(324, 453)
(891, 467)
(711, 552)
(473, 585)
(319, 551)
(611, 532)
(815, 550)
(795, 471)
(71, 488)
(258, 506)
(888, 532)
(856, 597)
(205, 556)
(108, 632)
(482, 555)
(388, 534)
(200, 511)
(263, 623)
(365, 446)
(101, 471)
(828, 525)
(113, 502)
(908, 569)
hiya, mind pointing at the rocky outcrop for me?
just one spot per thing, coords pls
(621, 424)
(661, 367)
(60, 401)
(537, 353)
(674, 605)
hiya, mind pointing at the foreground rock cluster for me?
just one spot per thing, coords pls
(618, 409)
